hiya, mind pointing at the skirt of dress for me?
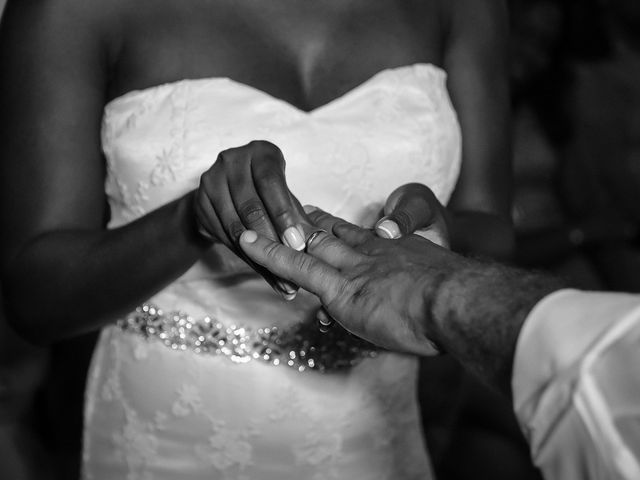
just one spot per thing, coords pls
(156, 413)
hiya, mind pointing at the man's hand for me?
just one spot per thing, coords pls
(411, 208)
(378, 289)
(406, 294)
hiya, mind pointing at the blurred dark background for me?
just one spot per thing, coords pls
(575, 87)
(575, 78)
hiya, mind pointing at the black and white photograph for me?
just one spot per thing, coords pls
(320, 239)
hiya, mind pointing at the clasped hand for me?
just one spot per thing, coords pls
(380, 290)
(246, 189)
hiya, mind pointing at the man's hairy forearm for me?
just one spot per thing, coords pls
(477, 313)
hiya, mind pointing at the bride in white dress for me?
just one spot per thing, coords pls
(201, 370)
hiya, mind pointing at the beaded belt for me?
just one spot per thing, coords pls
(301, 346)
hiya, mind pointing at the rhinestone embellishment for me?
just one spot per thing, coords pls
(301, 347)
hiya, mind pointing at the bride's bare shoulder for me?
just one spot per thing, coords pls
(51, 35)
(63, 11)
(52, 21)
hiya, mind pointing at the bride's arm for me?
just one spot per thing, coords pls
(475, 59)
(478, 216)
(62, 272)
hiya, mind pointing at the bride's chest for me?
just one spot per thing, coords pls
(306, 52)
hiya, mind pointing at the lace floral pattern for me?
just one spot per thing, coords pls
(228, 448)
(156, 413)
(407, 122)
(137, 444)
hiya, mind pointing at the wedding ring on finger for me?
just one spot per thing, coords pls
(312, 237)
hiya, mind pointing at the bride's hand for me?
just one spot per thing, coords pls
(413, 208)
(245, 189)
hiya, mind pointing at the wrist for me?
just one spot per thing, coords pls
(192, 227)
(455, 298)
(436, 293)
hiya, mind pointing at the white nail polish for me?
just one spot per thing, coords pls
(249, 236)
(286, 290)
(293, 237)
(388, 229)
(323, 318)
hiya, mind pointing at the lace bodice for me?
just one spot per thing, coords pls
(397, 127)
(154, 412)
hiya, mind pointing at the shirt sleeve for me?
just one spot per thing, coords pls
(576, 385)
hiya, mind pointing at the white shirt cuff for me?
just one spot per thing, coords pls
(570, 424)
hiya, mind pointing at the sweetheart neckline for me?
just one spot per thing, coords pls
(386, 71)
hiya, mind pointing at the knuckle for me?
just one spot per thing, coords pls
(263, 148)
(270, 178)
(261, 145)
(282, 216)
(206, 178)
(232, 158)
(272, 251)
(341, 227)
(266, 151)
(225, 156)
(419, 189)
(415, 195)
(252, 212)
(218, 160)
(304, 263)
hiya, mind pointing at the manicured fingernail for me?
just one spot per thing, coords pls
(325, 322)
(287, 291)
(294, 238)
(310, 208)
(323, 318)
(248, 236)
(386, 228)
(287, 288)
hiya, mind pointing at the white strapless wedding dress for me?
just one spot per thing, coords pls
(197, 383)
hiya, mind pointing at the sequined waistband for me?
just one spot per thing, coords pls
(300, 346)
